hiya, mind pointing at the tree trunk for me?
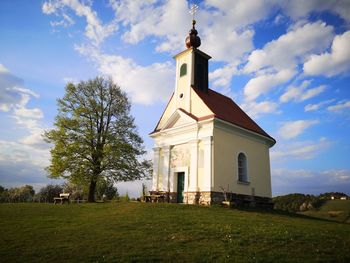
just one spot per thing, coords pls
(92, 188)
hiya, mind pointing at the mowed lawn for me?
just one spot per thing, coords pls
(147, 232)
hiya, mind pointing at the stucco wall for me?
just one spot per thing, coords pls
(160, 169)
(200, 165)
(198, 107)
(227, 146)
(183, 83)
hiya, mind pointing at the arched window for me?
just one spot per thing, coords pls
(242, 168)
(183, 69)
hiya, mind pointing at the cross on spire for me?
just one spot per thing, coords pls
(193, 11)
(192, 40)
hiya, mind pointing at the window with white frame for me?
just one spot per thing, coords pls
(242, 168)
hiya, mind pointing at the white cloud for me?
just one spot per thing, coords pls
(300, 93)
(285, 181)
(339, 175)
(226, 44)
(168, 20)
(35, 113)
(300, 8)
(276, 63)
(317, 106)
(3, 69)
(340, 106)
(285, 51)
(299, 150)
(255, 109)
(151, 18)
(144, 84)
(263, 84)
(240, 13)
(21, 163)
(14, 98)
(222, 76)
(94, 29)
(292, 129)
(67, 21)
(333, 63)
(22, 158)
(35, 139)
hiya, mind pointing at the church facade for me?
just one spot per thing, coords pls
(205, 144)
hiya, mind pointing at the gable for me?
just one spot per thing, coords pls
(177, 119)
(198, 108)
(168, 111)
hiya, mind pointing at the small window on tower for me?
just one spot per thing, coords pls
(183, 70)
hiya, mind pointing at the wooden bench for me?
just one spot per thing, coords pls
(154, 198)
(63, 197)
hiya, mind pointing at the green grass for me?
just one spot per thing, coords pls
(147, 232)
(336, 210)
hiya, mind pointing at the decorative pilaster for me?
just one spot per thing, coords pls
(208, 160)
(166, 168)
(193, 180)
(155, 169)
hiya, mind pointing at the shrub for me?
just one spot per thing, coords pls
(296, 202)
(49, 192)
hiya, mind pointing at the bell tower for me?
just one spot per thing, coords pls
(191, 68)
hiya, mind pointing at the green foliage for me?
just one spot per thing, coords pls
(95, 136)
(150, 232)
(126, 197)
(17, 194)
(106, 190)
(336, 195)
(49, 192)
(77, 191)
(296, 202)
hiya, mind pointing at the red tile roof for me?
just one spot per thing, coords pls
(226, 109)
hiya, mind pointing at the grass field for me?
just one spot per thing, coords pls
(336, 210)
(147, 232)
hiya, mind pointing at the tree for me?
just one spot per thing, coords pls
(105, 189)
(95, 136)
(49, 192)
(3, 194)
(21, 194)
(77, 192)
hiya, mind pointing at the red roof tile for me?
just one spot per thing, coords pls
(226, 109)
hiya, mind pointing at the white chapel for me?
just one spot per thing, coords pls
(205, 143)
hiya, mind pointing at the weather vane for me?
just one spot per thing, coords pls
(193, 11)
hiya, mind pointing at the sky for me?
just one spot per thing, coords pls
(286, 63)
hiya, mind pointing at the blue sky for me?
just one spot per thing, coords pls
(286, 63)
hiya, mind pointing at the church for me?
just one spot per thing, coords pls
(206, 146)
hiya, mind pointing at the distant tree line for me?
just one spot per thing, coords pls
(105, 190)
(18, 194)
(303, 202)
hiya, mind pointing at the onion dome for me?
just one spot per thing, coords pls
(192, 40)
